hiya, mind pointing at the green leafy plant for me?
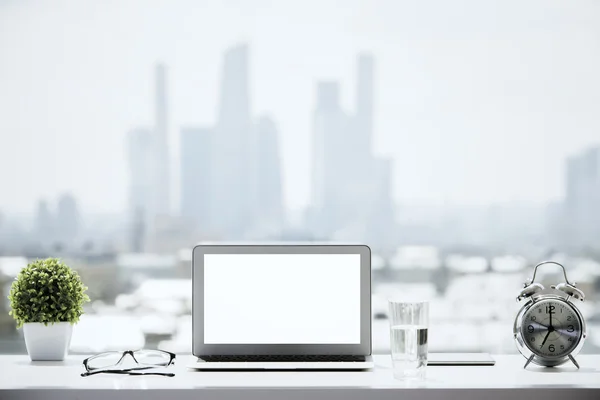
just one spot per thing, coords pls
(47, 291)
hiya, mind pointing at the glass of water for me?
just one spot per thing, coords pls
(408, 338)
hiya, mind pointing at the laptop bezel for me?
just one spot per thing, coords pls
(199, 348)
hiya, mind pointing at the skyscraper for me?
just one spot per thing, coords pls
(235, 167)
(364, 102)
(68, 219)
(366, 168)
(137, 232)
(142, 206)
(269, 211)
(162, 187)
(44, 222)
(582, 198)
(196, 176)
(347, 180)
(331, 131)
(231, 174)
(381, 223)
(148, 159)
(235, 90)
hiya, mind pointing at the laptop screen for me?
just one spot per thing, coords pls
(281, 299)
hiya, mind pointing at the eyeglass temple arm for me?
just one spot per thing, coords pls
(124, 372)
(115, 371)
(151, 373)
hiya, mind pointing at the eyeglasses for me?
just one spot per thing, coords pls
(145, 359)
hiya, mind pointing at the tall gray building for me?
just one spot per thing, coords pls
(68, 219)
(45, 222)
(333, 144)
(371, 174)
(364, 105)
(381, 224)
(348, 182)
(162, 187)
(582, 199)
(269, 209)
(231, 174)
(141, 197)
(197, 156)
(234, 169)
(235, 91)
(148, 159)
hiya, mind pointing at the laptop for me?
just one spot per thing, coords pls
(281, 307)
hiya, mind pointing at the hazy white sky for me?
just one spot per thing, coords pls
(477, 101)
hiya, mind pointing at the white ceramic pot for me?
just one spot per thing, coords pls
(47, 342)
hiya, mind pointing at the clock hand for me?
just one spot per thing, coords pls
(546, 338)
(538, 325)
(550, 324)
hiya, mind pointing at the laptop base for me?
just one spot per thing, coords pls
(202, 365)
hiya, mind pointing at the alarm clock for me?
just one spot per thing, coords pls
(549, 329)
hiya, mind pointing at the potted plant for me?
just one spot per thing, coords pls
(46, 299)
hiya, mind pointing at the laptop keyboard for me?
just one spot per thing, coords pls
(284, 358)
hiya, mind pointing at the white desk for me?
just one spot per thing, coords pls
(22, 379)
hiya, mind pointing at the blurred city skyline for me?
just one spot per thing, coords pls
(231, 185)
(525, 97)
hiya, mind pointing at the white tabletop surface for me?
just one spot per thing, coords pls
(22, 379)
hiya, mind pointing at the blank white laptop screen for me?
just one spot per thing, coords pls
(282, 298)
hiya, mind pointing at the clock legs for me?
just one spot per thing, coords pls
(573, 360)
(528, 361)
(570, 358)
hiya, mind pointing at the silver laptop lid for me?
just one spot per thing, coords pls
(281, 299)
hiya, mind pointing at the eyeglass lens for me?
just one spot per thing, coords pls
(143, 357)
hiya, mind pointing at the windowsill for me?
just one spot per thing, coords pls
(21, 379)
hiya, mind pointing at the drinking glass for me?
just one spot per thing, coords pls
(408, 338)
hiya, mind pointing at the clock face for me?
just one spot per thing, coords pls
(551, 328)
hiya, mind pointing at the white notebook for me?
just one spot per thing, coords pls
(460, 359)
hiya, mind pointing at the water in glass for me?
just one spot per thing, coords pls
(409, 350)
(408, 338)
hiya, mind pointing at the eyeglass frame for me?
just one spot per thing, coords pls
(131, 371)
